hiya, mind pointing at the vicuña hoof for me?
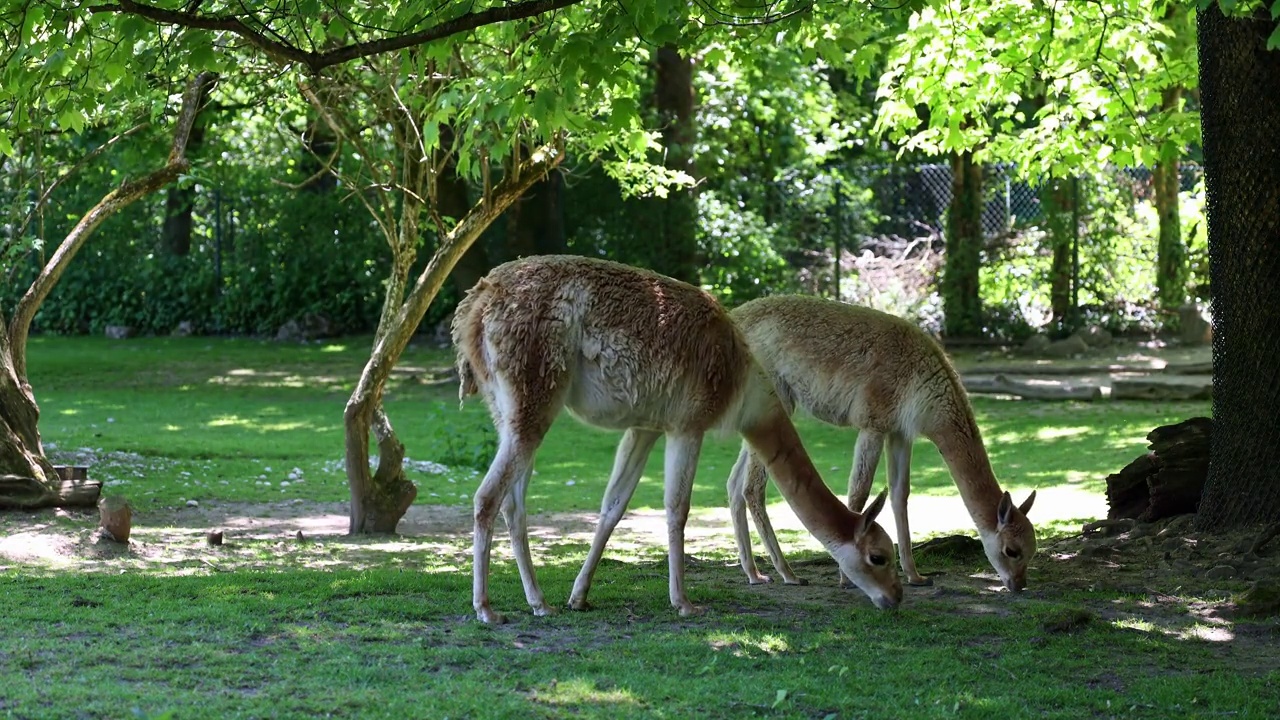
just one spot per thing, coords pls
(579, 604)
(543, 610)
(921, 581)
(795, 581)
(489, 616)
(689, 610)
(759, 579)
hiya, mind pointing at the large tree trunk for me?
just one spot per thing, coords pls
(1171, 254)
(961, 301)
(1239, 84)
(21, 452)
(379, 500)
(674, 251)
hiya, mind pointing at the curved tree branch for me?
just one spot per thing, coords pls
(316, 61)
(128, 192)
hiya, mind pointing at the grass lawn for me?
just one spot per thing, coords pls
(268, 625)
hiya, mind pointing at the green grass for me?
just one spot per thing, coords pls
(338, 627)
(235, 414)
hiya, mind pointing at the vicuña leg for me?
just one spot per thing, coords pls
(513, 512)
(513, 459)
(680, 463)
(866, 456)
(747, 490)
(899, 488)
(628, 464)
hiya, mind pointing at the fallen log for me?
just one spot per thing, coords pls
(1157, 390)
(18, 492)
(1194, 368)
(1059, 368)
(1001, 385)
(1168, 479)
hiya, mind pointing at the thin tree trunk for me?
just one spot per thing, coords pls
(961, 301)
(675, 250)
(1239, 81)
(179, 202)
(1058, 199)
(1171, 254)
(379, 501)
(21, 452)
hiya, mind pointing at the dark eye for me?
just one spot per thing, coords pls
(878, 559)
(1012, 553)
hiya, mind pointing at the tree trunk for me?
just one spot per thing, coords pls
(21, 452)
(1171, 254)
(175, 234)
(535, 224)
(1239, 81)
(378, 501)
(961, 302)
(1057, 196)
(1168, 479)
(674, 251)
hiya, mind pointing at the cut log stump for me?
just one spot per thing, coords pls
(1166, 481)
(115, 517)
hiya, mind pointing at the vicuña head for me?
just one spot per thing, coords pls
(1013, 543)
(867, 559)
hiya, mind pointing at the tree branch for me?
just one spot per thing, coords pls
(128, 192)
(316, 61)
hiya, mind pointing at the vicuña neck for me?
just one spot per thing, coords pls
(960, 445)
(774, 440)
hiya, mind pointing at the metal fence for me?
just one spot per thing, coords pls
(910, 200)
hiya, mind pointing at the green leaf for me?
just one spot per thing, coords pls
(72, 119)
(1273, 41)
(622, 113)
(1275, 10)
(781, 698)
(6, 147)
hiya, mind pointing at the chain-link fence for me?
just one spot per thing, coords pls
(910, 200)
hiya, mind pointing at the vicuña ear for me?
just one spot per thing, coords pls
(869, 515)
(1025, 507)
(1004, 510)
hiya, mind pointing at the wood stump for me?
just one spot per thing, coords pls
(115, 517)
(1168, 479)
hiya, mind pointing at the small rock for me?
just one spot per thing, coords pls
(184, 329)
(214, 537)
(1036, 344)
(1220, 572)
(120, 332)
(1178, 524)
(1094, 336)
(1066, 348)
(1098, 550)
(1262, 599)
(193, 503)
(1194, 329)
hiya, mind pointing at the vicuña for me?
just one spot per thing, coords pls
(857, 367)
(628, 349)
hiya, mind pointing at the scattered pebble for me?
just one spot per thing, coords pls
(193, 503)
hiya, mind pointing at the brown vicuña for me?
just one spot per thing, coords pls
(628, 349)
(854, 366)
